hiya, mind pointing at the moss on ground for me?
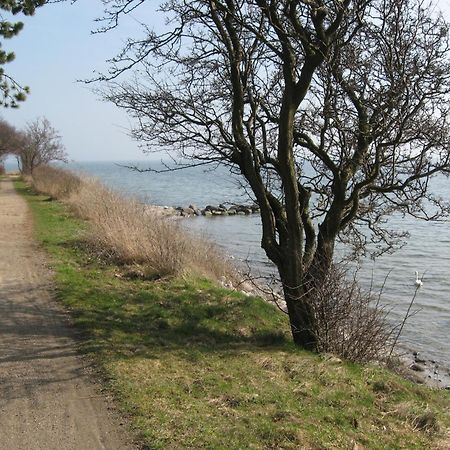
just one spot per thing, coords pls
(196, 366)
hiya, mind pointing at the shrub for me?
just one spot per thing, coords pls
(350, 322)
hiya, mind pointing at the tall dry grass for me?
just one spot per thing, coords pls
(55, 182)
(128, 233)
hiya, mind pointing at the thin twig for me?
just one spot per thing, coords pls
(405, 318)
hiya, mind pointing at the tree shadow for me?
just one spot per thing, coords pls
(148, 323)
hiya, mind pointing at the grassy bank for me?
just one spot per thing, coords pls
(124, 231)
(196, 366)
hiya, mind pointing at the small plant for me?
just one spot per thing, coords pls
(426, 422)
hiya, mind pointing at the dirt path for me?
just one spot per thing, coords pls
(47, 400)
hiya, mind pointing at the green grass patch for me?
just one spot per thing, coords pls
(197, 366)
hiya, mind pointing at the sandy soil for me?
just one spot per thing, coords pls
(48, 400)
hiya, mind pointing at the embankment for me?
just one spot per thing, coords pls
(198, 366)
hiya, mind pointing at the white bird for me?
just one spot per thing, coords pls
(418, 282)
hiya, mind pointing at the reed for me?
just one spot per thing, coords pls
(128, 233)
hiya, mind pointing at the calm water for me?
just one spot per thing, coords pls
(427, 250)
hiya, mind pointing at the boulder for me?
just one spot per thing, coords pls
(416, 367)
(245, 209)
(185, 212)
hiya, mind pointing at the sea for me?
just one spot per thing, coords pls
(426, 250)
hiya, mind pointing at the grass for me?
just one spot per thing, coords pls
(196, 366)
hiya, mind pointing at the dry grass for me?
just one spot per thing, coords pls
(125, 232)
(55, 182)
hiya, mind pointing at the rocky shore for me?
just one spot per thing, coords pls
(221, 210)
(209, 210)
(424, 371)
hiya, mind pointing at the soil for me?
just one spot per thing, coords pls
(49, 398)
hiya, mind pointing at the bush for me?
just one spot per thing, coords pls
(349, 322)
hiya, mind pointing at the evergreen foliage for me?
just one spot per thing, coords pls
(11, 92)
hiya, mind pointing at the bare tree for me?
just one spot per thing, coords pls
(41, 144)
(10, 141)
(10, 138)
(334, 111)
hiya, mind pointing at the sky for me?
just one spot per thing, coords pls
(54, 50)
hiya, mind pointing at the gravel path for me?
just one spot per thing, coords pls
(47, 399)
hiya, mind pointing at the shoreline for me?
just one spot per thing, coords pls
(412, 364)
(418, 369)
(216, 360)
(424, 371)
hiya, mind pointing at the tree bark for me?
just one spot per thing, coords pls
(300, 311)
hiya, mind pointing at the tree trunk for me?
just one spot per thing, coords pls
(301, 318)
(321, 263)
(300, 312)
(299, 288)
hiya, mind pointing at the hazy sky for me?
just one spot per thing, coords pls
(54, 50)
